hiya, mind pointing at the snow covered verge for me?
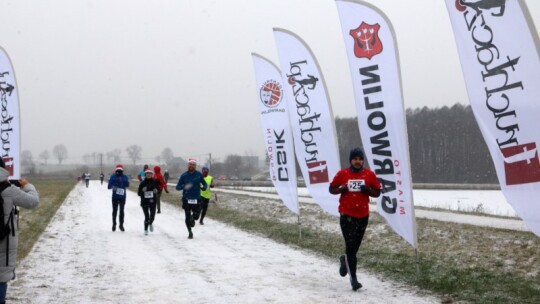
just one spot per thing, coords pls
(79, 259)
(430, 198)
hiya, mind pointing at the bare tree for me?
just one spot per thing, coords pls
(45, 155)
(233, 165)
(167, 155)
(134, 152)
(114, 156)
(60, 152)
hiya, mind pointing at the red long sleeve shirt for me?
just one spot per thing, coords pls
(353, 202)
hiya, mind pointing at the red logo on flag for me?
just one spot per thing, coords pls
(460, 7)
(9, 165)
(271, 93)
(367, 43)
(521, 164)
(318, 172)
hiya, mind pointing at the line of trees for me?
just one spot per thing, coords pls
(445, 145)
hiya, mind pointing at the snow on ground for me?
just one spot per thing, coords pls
(462, 218)
(78, 258)
(490, 202)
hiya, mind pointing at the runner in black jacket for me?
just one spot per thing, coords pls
(148, 189)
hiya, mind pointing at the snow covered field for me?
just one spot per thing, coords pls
(467, 201)
(491, 202)
(79, 259)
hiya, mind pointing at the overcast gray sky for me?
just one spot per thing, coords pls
(99, 75)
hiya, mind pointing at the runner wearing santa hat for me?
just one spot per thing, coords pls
(148, 190)
(118, 182)
(191, 182)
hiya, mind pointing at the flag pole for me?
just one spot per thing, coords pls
(417, 262)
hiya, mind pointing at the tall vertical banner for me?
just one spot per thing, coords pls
(372, 53)
(498, 49)
(311, 117)
(276, 130)
(9, 120)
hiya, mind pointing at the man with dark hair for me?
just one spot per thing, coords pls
(355, 185)
(206, 194)
(23, 195)
(118, 182)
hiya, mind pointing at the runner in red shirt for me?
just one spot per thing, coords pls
(355, 184)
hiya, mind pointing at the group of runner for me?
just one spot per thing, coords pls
(354, 184)
(195, 187)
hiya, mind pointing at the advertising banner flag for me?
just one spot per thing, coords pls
(373, 61)
(10, 132)
(498, 48)
(276, 130)
(311, 117)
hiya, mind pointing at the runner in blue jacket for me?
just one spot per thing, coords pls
(118, 182)
(191, 182)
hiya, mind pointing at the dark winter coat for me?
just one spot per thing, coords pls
(118, 183)
(25, 197)
(148, 190)
(191, 184)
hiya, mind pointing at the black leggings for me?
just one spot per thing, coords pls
(115, 203)
(149, 214)
(353, 230)
(192, 212)
(158, 201)
(204, 207)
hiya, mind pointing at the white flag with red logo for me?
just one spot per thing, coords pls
(496, 42)
(311, 118)
(276, 130)
(10, 121)
(372, 53)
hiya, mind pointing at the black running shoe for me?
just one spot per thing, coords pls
(122, 227)
(190, 235)
(342, 266)
(355, 284)
(114, 227)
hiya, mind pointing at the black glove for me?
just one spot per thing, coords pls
(343, 189)
(365, 189)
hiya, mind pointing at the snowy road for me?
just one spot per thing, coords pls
(79, 259)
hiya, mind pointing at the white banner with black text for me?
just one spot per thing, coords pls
(498, 49)
(10, 120)
(311, 118)
(276, 131)
(373, 61)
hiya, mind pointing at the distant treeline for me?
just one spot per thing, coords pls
(445, 145)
